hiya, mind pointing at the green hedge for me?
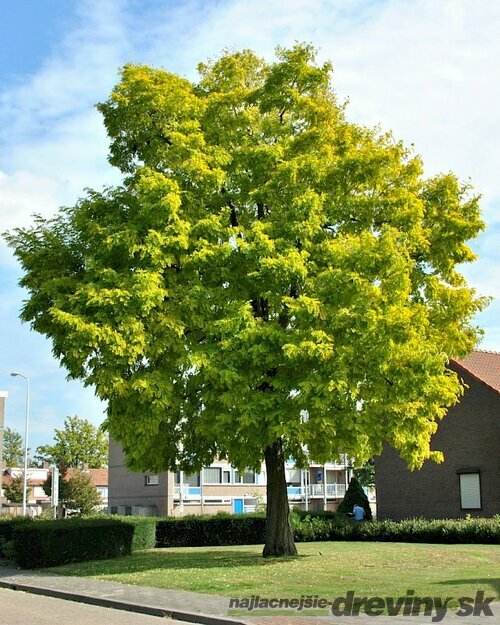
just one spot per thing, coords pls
(198, 531)
(219, 530)
(50, 543)
(453, 531)
(144, 528)
(317, 514)
(7, 525)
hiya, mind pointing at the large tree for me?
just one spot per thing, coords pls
(13, 448)
(79, 444)
(269, 281)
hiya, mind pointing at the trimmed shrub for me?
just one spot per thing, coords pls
(219, 530)
(144, 530)
(200, 531)
(355, 495)
(452, 531)
(50, 543)
(317, 514)
(7, 526)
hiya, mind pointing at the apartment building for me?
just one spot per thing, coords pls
(219, 488)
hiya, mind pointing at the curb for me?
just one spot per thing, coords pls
(127, 606)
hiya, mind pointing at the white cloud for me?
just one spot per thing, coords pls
(24, 193)
(82, 65)
(427, 70)
(48, 124)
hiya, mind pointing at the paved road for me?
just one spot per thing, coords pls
(22, 608)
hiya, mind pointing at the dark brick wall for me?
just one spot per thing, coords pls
(468, 436)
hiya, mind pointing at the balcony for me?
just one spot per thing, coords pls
(188, 492)
(294, 492)
(333, 491)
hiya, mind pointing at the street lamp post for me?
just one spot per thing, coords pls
(25, 476)
(3, 396)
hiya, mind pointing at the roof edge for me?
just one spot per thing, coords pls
(473, 375)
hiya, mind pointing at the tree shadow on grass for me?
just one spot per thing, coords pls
(478, 583)
(172, 560)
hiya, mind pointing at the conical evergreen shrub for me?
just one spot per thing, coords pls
(355, 495)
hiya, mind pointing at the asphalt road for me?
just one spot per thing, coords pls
(22, 608)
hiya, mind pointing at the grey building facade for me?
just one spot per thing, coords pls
(139, 494)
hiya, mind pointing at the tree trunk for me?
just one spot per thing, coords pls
(279, 534)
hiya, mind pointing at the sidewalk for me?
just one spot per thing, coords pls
(196, 607)
(176, 604)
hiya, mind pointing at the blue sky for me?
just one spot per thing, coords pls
(427, 71)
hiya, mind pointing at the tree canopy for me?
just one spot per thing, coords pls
(13, 491)
(269, 278)
(13, 448)
(76, 491)
(365, 474)
(79, 444)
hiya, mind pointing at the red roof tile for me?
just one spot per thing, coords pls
(484, 366)
(99, 477)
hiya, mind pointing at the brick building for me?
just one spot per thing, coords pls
(468, 481)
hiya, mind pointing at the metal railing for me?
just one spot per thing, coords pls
(187, 491)
(317, 490)
(335, 491)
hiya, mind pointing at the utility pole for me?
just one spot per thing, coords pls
(3, 397)
(15, 374)
(181, 492)
(55, 490)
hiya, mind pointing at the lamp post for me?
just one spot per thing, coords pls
(3, 396)
(25, 477)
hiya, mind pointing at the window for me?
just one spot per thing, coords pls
(293, 477)
(212, 475)
(226, 477)
(187, 480)
(470, 489)
(103, 491)
(192, 480)
(151, 480)
(247, 478)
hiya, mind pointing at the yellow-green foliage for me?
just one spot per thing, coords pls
(267, 269)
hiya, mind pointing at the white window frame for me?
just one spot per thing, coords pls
(217, 501)
(470, 489)
(151, 480)
(239, 478)
(205, 481)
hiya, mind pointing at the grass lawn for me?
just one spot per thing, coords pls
(327, 569)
